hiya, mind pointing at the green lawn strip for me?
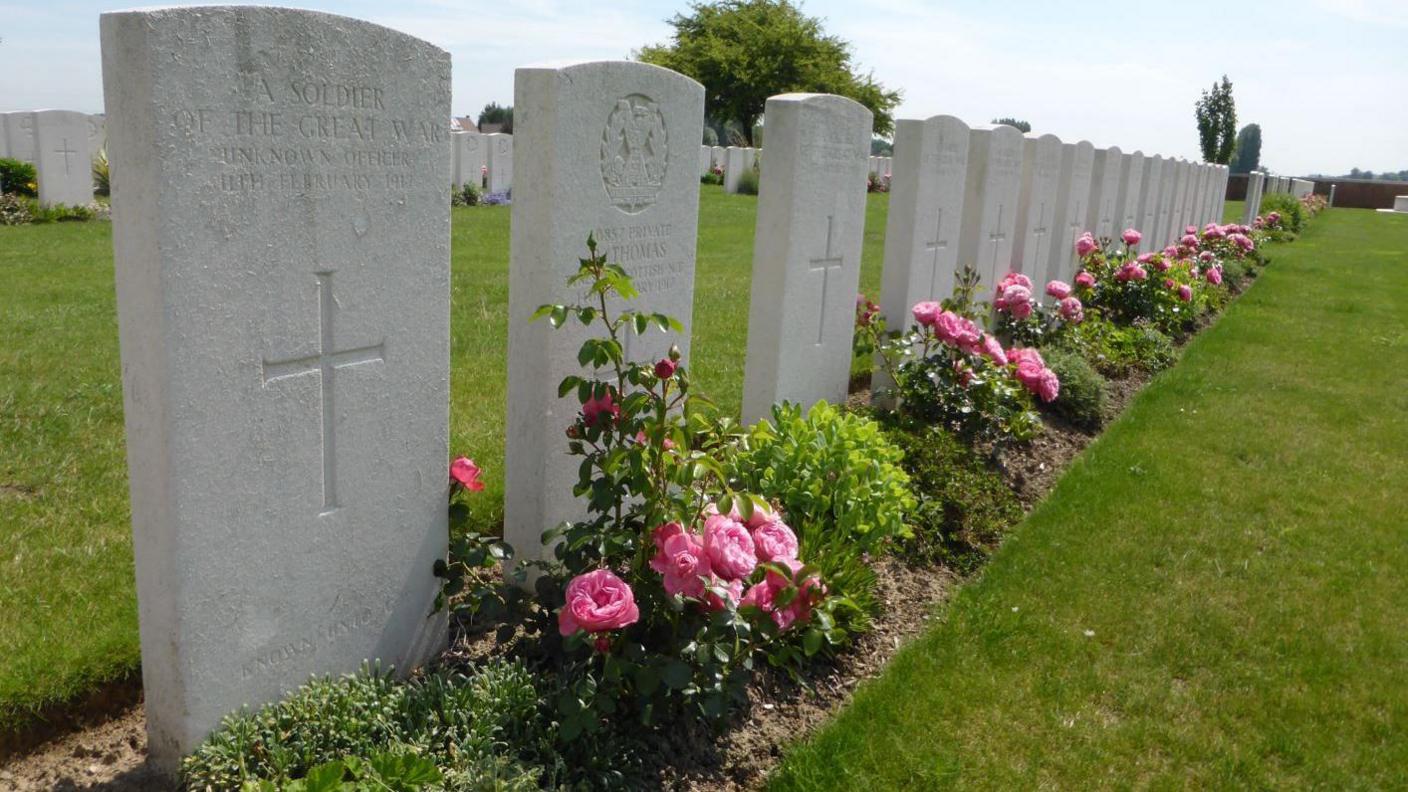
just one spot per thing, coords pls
(67, 607)
(1213, 596)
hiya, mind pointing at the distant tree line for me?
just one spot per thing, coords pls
(1368, 175)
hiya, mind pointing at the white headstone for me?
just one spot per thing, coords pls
(1220, 195)
(97, 134)
(1104, 190)
(61, 157)
(1252, 203)
(926, 211)
(1036, 208)
(284, 328)
(717, 157)
(733, 168)
(1178, 220)
(992, 188)
(470, 158)
(19, 135)
(1127, 211)
(498, 155)
(628, 178)
(706, 158)
(806, 252)
(1202, 211)
(1072, 200)
(1149, 201)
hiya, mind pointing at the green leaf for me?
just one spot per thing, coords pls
(325, 777)
(543, 310)
(811, 641)
(677, 675)
(557, 315)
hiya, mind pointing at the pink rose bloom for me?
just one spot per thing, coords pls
(1185, 293)
(1072, 311)
(1085, 279)
(774, 541)
(1018, 301)
(958, 331)
(965, 373)
(683, 564)
(662, 534)
(1131, 237)
(1162, 264)
(1206, 256)
(927, 313)
(992, 348)
(1085, 245)
(464, 472)
(665, 368)
(733, 592)
(597, 601)
(1130, 272)
(1190, 230)
(1189, 241)
(1058, 289)
(762, 515)
(729, 547)
(1171, 251)
(947, 326)
(1274, 217)
(1020, 356)
(1145, 258)
(764, 594)
(1214, 276)
(1168, 283)
(603, 409)
(1243, 241)
(1048, 386)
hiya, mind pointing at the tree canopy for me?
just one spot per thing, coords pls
(494, 113)
(743, 51)
(1024, 126)
(1217, 123)
(1248, 153)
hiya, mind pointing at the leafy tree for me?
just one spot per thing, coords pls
(1217, 123)
(1012, 122)
(744, 51)
(1248, 154)
(494, 113)
(880, 147)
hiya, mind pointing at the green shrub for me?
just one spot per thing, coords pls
(712, 177)
(14, 210)
(468, 195)
(839, 483)
(102, 183)
(1084, 396)
(58, 213)
(963, 505)
(1117, 351)
(477, 729)
(1292, 211)
(748, 182)
(18, 177)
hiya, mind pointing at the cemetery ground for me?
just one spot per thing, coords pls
(73, 466)
(68, 618)
(1212, 596)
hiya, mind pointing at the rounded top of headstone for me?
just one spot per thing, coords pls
(945, 120)
(277, 16)
(822, 99)
(577, 66)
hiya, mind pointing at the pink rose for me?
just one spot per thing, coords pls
(958, 331)
(774, 541)
(1072, 311)
(1144, 258)
(1131, 237)
(1085, 279)
(1190, 229)
(1162, 264)
(1058, 289)
(1171, 251)
(1185, 293)
(662, 534)
(1048, 386)
(1206, 256)
(763, 596)
(683, 564)
(729, 547)
(1214, 276)
(1242, 241)
(665, 368)
(732, 591)
(604, 410)
(992, 348)
(762, 515)
(597, 601)
(964, 372)
(1018, 300)
(1020, 356)
(1085, 244)
(927, 313)
(1188, 240)
(464, 472)
(1014, 279)
(1168, 283)
(1129, 272)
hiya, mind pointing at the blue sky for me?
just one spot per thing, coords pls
(1326, 79)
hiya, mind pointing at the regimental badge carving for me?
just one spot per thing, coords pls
(634, 153)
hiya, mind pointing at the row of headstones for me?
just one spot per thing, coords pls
(482, 160)
(880, 167)
(61, 145)
(732, 161)
(282, 246)
(1260, 184)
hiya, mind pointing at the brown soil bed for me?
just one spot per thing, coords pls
(692, 756)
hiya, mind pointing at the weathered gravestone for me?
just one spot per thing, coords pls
(628, 178)
(733, 168)
(1168, 186)
(97, 134)
(281, 239)
(1219, 198)
(1252, 206)
(992, 188)
(1149, 201)
(1041, 180)
(1072, 198)
(61, 157)
(470, 161)
(806, 252)
(498, 155)
(19, 135)
(1177, 220)
(1131, 184)
(1104, 189)
(706, 159)
(926, 211)
(1198, 211)
(716, 157)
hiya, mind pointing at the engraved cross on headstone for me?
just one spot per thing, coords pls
(936, 245)
(825, 264)
(1041, 230)
(996, 237)
(67, 152)
(325, 364)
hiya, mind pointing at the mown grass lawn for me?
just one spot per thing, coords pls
(67, 609)
(1214, 596)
